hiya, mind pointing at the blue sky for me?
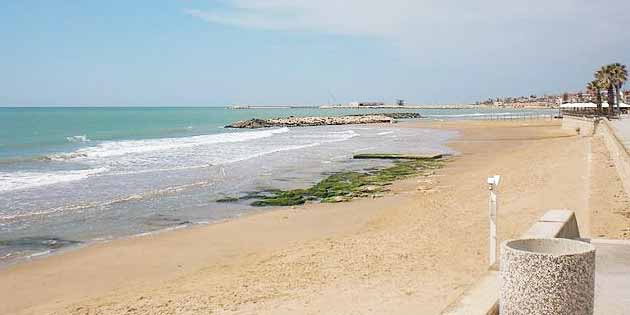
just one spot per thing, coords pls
(205, 53)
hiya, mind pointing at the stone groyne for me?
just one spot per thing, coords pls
(322, 121)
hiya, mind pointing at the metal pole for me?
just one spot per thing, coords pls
(493, 227)
(493, 183)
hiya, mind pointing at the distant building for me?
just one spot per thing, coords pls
(532, 100)
(400, 102)
(362, 104)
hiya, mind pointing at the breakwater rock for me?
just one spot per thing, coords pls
(403, 115)
(322, 121)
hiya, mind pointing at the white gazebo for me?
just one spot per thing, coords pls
(587, 109)
(590, 105)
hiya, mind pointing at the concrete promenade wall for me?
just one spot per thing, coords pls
(602, 127)
(618, 151)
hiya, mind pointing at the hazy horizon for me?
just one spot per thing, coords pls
(218, 53)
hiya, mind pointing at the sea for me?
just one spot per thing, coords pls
(72, 176)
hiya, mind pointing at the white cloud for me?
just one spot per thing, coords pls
(423, 25)
(389, 18)
(346, 18)
(464, 38)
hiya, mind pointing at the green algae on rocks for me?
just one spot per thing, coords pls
(396, 156)
(344, 186)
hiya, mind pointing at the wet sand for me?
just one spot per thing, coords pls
(411, 252)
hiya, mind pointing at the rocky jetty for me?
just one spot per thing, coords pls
(403, 115)
(322, 121)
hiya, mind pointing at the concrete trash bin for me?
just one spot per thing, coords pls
(550, 276)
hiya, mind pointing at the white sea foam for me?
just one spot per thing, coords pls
(185, 158)
(384, 133)
(336, 137)
(22, 180)
(81, 138)
(38, 254)
(364, 149)
(118, 148)
(37, 213)
(117, 166)
(233, 159)
(83, 206)
(138, 156)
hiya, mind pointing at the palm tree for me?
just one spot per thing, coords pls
(619, 76)
(595, 87)
(605, 77)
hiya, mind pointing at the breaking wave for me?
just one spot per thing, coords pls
(118, 148)
(22, 180)
(81, 138)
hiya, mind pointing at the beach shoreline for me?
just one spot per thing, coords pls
(224, 198)
(320, 257)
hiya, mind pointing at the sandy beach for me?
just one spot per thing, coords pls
(413, 251)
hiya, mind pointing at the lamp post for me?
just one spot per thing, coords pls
(493, 183)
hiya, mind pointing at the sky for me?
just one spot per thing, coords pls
(300, 52)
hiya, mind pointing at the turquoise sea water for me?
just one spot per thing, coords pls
(34, 131)
(75, 175)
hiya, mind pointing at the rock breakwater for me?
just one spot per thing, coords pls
(322, 121)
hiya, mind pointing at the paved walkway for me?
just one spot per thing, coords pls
(612, 277)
